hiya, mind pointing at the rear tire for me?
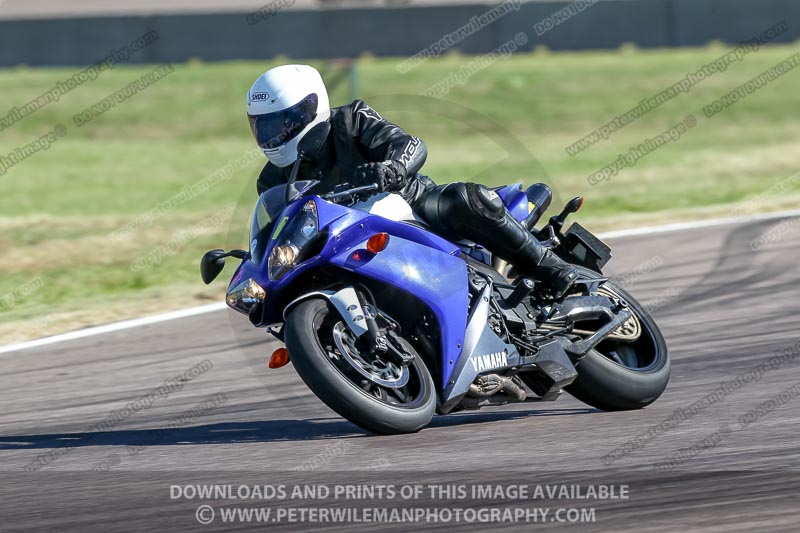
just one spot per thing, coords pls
(344, 390)
(611, 386)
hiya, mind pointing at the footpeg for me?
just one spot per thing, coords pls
(522, 290)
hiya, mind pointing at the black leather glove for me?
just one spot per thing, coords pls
(388, 175)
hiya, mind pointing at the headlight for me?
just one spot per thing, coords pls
(281, 259)
(245, 296)
(293, 240)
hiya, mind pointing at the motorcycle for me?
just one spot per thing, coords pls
(389, 323)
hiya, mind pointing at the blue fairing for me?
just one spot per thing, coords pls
(415, 261)
(515, 200)
(435, 277)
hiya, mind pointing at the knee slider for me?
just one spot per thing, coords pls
(484, 202)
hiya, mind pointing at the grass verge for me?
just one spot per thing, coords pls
(61, 209)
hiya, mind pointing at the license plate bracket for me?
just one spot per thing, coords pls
(585, 248)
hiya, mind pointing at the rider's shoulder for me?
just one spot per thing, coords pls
(353, 113)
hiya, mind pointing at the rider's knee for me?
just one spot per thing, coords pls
(479, 201)
(461, 206)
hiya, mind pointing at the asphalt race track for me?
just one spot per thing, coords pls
(726, 298)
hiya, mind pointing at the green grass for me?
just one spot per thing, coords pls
(510, 122)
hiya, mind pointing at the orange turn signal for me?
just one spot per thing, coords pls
(377, 243)
(279, 358)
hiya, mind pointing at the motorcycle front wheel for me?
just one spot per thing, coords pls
(374, 393)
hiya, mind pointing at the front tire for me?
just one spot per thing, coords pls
(313, 334)
(624, 376)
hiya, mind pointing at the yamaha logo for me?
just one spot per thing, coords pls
(489, 361)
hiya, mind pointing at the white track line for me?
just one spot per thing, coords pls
(116, 326)
(194, 311)
(710, 223)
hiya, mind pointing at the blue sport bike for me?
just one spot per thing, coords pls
(388, 322)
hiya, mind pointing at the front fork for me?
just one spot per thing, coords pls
(361, 318)
(376, 340)
(383, 342)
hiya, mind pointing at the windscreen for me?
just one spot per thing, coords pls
(270, 205)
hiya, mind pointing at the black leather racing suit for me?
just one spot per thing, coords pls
(360, 135)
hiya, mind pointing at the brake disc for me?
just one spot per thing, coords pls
(345, 342)
(629, 331)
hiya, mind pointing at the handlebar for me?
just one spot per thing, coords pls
(349, 193)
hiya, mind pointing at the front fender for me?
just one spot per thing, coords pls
(345, 301)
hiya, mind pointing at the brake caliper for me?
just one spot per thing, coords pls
(398, 349)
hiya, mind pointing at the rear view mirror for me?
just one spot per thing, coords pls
(212, 264)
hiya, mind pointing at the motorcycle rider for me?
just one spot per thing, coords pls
(363, 148)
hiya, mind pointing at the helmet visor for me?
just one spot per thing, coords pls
(272, 130)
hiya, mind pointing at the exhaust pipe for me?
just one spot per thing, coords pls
(492, 384)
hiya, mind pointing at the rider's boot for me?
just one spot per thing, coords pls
(477, 213)
(514, 243)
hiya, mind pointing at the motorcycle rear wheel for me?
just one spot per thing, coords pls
(620, 376)
(382, 398)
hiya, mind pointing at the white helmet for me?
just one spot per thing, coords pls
(282, 105)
